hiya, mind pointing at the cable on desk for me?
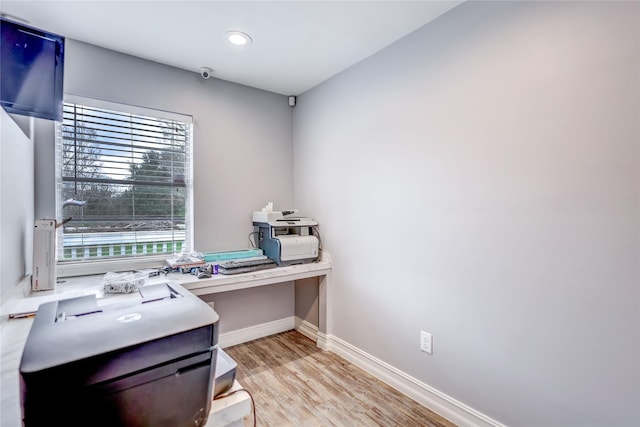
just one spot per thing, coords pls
(251, 242)
(316, 232)
(253, 404)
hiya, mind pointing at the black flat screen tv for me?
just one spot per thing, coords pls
(31, 71)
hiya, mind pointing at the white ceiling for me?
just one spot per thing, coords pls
(296, 44)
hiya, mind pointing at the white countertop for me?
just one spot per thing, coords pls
(21, 300)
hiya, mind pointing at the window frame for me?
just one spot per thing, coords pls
(96, 265)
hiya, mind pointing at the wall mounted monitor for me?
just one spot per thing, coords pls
(31, 71)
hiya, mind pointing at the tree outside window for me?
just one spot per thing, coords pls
(133, 172)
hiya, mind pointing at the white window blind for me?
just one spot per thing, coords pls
(133, 171)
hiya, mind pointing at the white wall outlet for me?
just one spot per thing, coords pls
(426, 342)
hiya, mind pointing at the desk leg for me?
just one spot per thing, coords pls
(324, 323)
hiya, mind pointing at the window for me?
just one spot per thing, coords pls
(132, 169)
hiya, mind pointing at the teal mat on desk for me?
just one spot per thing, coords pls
(224, 256)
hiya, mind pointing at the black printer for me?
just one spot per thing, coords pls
(149, 362)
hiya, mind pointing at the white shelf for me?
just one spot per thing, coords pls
(223, 283)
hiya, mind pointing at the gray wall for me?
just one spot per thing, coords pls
(16, 200)
(242, 153)
(479, 179)
(306, 300)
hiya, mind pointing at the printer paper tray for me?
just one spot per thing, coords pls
(298, 247)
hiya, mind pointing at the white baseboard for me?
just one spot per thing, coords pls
(262, 330)
(444, 405)
(307, 329)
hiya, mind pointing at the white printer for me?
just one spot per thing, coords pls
(286, 240)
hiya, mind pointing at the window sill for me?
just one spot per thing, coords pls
(89, 267)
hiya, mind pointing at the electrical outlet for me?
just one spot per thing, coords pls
(426, 342)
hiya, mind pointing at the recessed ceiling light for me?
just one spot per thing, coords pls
(238, 38)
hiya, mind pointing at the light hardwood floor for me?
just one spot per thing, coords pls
(294, 383)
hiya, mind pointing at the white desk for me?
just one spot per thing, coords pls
(21, 300)
(230, 411)
(14, 332)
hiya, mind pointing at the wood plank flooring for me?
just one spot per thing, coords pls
(294, 383)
